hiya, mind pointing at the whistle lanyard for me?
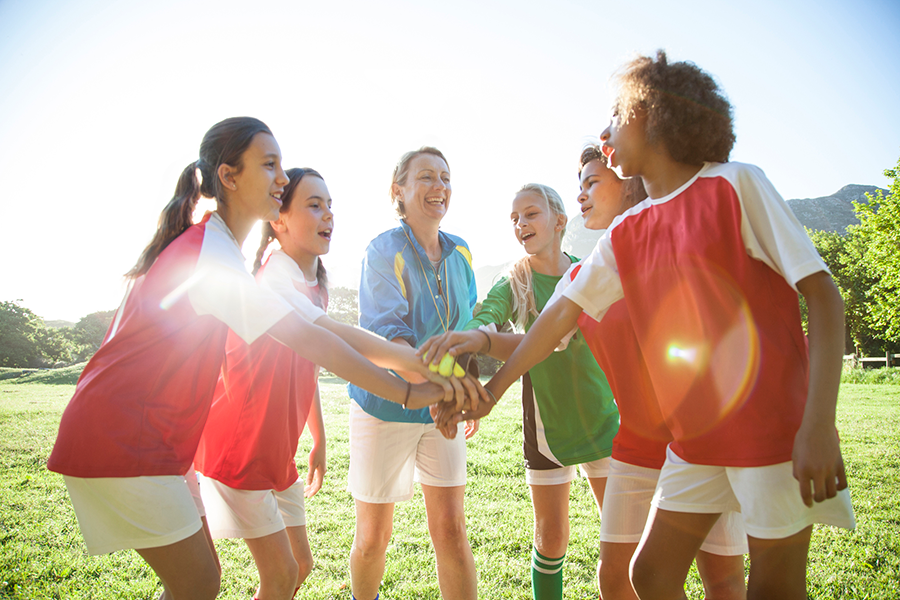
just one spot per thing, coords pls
(442, 293)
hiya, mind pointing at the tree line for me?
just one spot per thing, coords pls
(865, 263)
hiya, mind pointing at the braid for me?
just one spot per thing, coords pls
(268, 234)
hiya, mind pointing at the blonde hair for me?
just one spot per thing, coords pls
(520, 281)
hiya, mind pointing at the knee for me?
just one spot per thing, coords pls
(370, 542)
(551, 541)
(644, 578)
(729, 588)
(208, 586)
(449, 531)
(304, 568)
(614, 583)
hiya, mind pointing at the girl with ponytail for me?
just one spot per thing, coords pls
(128, 436)
(264, 398)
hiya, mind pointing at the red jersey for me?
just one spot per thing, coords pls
(708, 275)
(141, 403)
(262, 399)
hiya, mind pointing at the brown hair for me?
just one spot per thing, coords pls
(224, 143)
(401, 172)
(686, 110)
(268, 234)
(632, 188)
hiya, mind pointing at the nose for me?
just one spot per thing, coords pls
(604, 135)
(281, 177)
(329, 214)
(582, 196)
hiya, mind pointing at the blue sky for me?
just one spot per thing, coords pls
(103, 103)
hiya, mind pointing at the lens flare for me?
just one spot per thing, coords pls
(702, 349)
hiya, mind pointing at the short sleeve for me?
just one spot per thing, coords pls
(279, 277)
(496, 309)
(382, 296)
(221, 287)
(771, 231)
(596, 285)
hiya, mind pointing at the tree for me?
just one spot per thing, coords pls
(88, 333)
(25, 342)
(879, 230)
(343, 305)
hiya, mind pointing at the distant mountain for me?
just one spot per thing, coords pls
(828, 213)
(835, 212)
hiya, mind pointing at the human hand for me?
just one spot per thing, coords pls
(452, 342)
(316, 473)
(472, 427)
(817, 462)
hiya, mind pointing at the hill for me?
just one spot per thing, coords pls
(828, 213)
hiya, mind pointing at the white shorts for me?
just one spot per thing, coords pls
(248, 514)
(626, 505)
(115, 513)
(594, 469)
(387, 457)
(767, 497)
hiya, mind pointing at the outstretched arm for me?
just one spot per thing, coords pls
(818, 465)
(324, 348)
(492, 343)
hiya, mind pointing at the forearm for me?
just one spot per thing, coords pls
(315, 421)
(375, 348)
(826, 346)
(326, 349)
(551, 326)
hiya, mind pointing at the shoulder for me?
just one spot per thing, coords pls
(461, 248)
(735, 172)
(392, 240)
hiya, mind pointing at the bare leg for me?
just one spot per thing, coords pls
(276, 565)
(188, 569)
(614, 571)
(665, 554)
(447, 527)
(551, 519)
(723, 576)
(374, 523)
(778, 567)
(598, 488)
(302, 553)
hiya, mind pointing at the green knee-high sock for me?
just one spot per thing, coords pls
(546, 576)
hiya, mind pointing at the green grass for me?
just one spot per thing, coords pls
(42, 554)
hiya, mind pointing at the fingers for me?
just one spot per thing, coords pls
(459, 391)
(472, 428)
(841, 475)
(472, 392)
(806, 492)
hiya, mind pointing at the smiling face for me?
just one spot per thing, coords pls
(304, 229)
(534, 225)
(426, 193)
(601, 195)
(255, 189)
(625, 143)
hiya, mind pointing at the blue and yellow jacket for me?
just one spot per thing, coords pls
(401, 295)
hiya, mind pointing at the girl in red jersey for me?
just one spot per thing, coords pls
(130, 432)
(710, 266)
(265, 397)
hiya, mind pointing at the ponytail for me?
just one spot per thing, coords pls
(175, 218)
(224, 143)
(268, 234)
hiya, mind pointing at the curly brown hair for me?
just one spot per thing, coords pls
(686, 110)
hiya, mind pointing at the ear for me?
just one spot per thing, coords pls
(561, 221)
(279, 225)
(395, 191)
(226, 175)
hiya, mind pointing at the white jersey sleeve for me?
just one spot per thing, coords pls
(561, 286)
(222, 287)
(596, 287)
(280, 275)
(771, 232)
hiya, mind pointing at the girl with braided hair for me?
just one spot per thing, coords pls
(128, 436)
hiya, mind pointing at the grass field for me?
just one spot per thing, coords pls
(42, 554)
